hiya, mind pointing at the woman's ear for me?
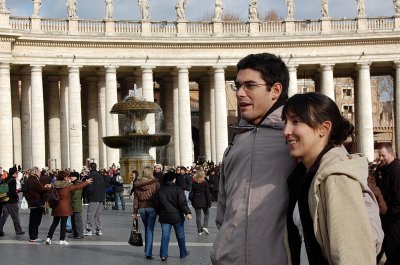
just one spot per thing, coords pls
(325, 128)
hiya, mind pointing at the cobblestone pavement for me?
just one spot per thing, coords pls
(110, 248)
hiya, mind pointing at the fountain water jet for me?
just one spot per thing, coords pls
(135, 140)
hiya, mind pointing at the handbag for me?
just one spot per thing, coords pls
(24, 204)
(136, 237)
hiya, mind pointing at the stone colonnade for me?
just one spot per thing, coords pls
(46, 116)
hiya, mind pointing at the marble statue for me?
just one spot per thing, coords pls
(3, 7)
(324, 8)
(71, 8)
(396, 7)
(37, 4)
(109, 9)
(253, 12)
(361, 8)
(180, 9)
(218, 10)
(290, 8)
(144, 9)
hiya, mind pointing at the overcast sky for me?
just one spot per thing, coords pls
(161, 10)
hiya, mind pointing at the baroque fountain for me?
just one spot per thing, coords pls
(135, 140)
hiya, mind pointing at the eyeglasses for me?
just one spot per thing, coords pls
(246, 86)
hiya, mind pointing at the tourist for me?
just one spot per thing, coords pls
(10, 205)
(117, 184)
(201, 201)
(35, 192)
(146, 187)
(327, 221)
(63, 209)
(76, 203)
(390, 186)
(96, 197)
(171, 206)
(253, 193)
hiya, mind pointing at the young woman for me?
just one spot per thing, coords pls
(201, 200)
(61, 212)
(327, 218)
(146, 187)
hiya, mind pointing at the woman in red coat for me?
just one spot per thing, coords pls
(63, 209)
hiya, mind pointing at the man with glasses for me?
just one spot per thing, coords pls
(253, 194)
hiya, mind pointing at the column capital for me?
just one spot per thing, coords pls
(111, 68)
(292, 67)
(363, 65)
(36, 67)
(73, 68)
(183, 68)
(396, 64)
(327, 66)
(219, 68)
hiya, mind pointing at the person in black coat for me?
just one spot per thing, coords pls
(171, 206)
(201, 200)
(10, 206)
(213, 180)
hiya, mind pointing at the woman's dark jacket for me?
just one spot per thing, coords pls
(200, 195)
(12, 190)
(170, 204)
(35, 192)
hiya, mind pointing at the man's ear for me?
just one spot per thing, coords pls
(276, 90)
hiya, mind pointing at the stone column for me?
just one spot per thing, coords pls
(397, 106)
(26, 114)
(175, 103)
(38, 130)
(112, 127)
(292, 80)
(16, 119)
(212, 118)
(6, 133)
(168, 113)
(205, 117)
(102, 163)
(75, 119)
(185, 121)
(93, 118)
(53, 103)
(364, 124)
(64, 125)
(221, 116)
(139, 84)
(327, 85)
(148, 94)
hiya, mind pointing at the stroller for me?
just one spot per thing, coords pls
(110, 198)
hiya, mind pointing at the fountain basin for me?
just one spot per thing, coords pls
(136, 140)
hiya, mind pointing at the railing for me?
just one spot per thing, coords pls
(91, 26)
(307, 26)
(205, 28)
(21, 23)
(381, 23)
(235, 27)
(50, 24)
(128, 27)
(272, 26)
(200, 28)
(163, 27)
(343, 24)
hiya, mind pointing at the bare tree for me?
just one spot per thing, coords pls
(272, 15)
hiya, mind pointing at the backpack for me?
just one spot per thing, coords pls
(53, 198)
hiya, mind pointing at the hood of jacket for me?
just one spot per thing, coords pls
(62, 184)
(338, 161)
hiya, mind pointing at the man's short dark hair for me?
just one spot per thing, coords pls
(272, 68)
(387, 146)
(93, 166)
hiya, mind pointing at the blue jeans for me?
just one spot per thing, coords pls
(148, 216)
(119, 196)
(180, 237)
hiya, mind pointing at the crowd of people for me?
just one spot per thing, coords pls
(288, 190)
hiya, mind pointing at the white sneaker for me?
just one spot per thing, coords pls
(99, 233)
(88, 233)
(205, 230)
(63, 242)
(48, 241)
(200, 233)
